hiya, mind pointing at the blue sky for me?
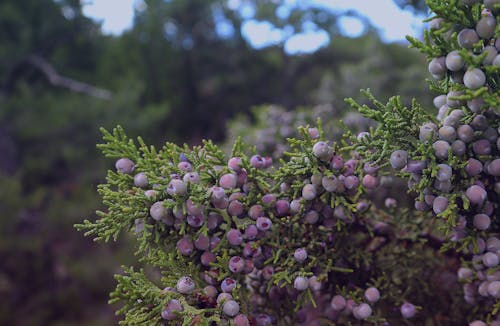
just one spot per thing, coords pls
(393, 23)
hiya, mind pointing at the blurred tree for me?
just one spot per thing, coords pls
(194, 56)
(416, 6)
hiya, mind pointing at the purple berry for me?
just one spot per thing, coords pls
(191, 177)
(482, 221)
(234, 237)
(408, 310)
(362, 311)
(476, 195)
(125, 165)
(185, 246)
(158, 211)
(241, 320)
(235, 164)
(263, 223)
(207, 258)
(441, 148)
(257, 161)
(338, 303)
(467, 38)
(185, 285)
(300, 255)
(236, 264)
(372, 294)
(171, 309)
(141, 180)
(474, 78)
(228, 285)
(439, 204)
(228, 181)
(176, 187)
(202, 242)
(301, 283)
(231, 308)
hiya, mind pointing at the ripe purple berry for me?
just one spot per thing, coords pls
(176, 187)
(185, 246)
(301, 283)
(228, 285)
(300, 255)
(228, 181)
(362, 311)
(263, 223)
(171, 309)
(141, 180)
(474, 78)
(372, 294)
(467, 38)
(234, 237)
(125, 165)
(231, 308)
(398, 159)
(481, 221)
(439, 204)
(338, 303)
(185, 285)
(236, 264)
(241, 320)
(408, 310)
(309, 192)
(476, 195)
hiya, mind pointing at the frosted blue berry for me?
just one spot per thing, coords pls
(177, 187)
(236, 264)
(228, 181)
(257, 161)
(476, 195)
(481, 221)
(263, 223)
(191, 177)
(441, 148)
(171, 309)
(408, 310)
(241, 320)
(474, 78)
(437, 67)
(158, 211)
(301, 283)
(398, 159)
(300, 255)
(234, 237)
(141, 180)
(467, 38)
(454, 61)
(362, 311)
(322, 151)
(309, 192)
(228, 285)
(185, 285)
(125, 165)
(338, 303)
(372, 294)
(485, 27)
(439, 204)
(231, 308)
(185, 246)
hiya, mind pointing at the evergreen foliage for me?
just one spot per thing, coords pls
(302, 238)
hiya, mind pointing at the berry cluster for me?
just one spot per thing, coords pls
(312, 232)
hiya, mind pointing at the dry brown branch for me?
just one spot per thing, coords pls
(56, 79)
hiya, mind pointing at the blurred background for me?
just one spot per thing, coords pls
(168, 70)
